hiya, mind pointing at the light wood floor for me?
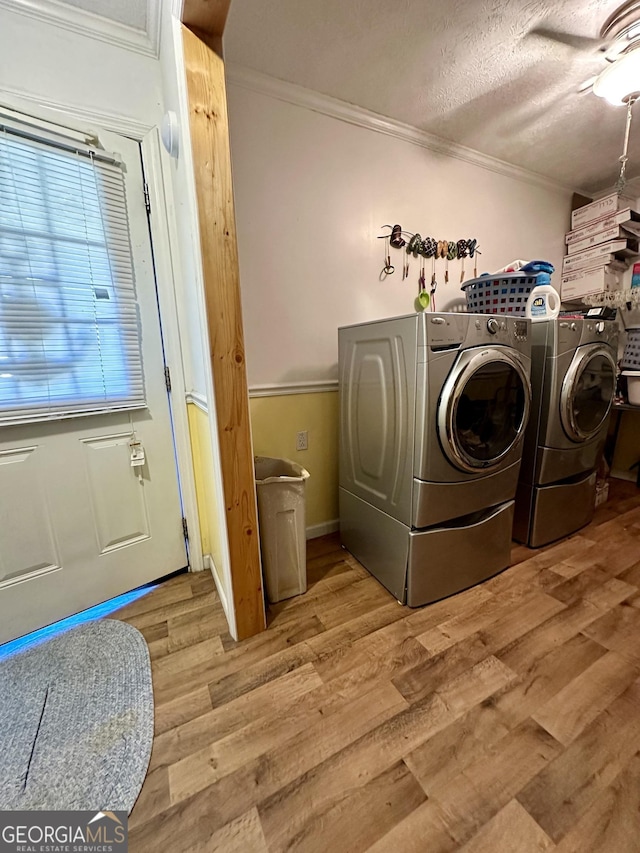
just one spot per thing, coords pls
(505, 719)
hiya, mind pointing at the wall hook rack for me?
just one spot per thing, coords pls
(429, 247)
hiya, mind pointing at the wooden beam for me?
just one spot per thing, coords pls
(207, 18)
(212, 165)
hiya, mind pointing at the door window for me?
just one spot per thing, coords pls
(593, 392)
(490, 412)
(69, 323)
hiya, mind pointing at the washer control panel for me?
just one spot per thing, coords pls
(521, 330)
(458, 329)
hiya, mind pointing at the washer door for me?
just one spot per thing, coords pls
(484, 408)
(587, 392)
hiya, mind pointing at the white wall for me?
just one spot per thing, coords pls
(54, 65)
(311, 194)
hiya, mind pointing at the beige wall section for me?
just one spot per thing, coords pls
(204, 473)
(275, 422)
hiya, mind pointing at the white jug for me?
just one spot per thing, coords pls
(543, 303)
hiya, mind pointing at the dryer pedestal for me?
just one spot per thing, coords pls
(419, 566)
(547, 513)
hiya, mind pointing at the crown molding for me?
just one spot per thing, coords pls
(291, 93)
(145, 42)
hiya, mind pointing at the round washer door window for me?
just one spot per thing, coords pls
(485, 412)
(587, 393)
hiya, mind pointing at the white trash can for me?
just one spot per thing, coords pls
(280, 486)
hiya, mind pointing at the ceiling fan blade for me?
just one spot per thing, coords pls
(571, 39)
(587, 85)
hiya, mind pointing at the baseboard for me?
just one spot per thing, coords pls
(316, 530)
(619, 474)
(209, 564)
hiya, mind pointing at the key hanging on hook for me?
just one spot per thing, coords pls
(452, 254)
(434, 285)
(388, 268)
(473, 253)
(463, 248)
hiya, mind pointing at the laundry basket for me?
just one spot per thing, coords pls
(631, 355)
(506, 293)
(280, 487)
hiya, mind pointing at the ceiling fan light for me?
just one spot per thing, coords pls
(621, 80)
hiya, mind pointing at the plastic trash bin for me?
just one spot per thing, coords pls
(280, 486)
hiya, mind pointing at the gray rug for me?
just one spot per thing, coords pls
(76, 721)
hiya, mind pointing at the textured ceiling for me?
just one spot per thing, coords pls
(470, 71)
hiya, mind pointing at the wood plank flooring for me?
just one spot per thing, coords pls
(503, 719)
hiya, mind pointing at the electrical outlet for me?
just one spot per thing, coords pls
(302, 440)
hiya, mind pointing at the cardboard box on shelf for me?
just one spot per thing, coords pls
(597, 209)
(588, 282)
(616, 232)
(599, 255)
(627, 218)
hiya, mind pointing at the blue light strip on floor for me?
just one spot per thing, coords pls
(90, 615)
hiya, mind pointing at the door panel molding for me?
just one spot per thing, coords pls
(125, 522)
(24, 505)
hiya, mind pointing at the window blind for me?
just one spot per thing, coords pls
(70, 340)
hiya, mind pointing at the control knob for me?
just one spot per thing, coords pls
(492, 325)
(600, 327)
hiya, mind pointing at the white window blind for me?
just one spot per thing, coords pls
(69, 320)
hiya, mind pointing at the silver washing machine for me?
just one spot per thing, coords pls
(573, 381)
(433, 409)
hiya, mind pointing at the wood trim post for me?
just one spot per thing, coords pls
(212, 167)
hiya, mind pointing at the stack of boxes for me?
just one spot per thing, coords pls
(600, 247)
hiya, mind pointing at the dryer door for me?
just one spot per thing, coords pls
(484, 408)
(587, 392)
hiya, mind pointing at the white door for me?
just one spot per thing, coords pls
(78, 523)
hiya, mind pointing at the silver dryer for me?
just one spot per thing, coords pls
(573, 383)
(433, 409)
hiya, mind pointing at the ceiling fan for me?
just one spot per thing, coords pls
(619, 82)
(619, 44)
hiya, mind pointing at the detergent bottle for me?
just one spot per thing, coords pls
(543, 303)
